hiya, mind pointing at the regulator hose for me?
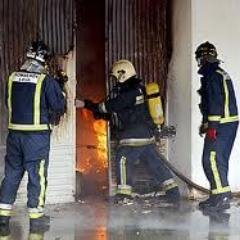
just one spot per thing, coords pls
(187, 180)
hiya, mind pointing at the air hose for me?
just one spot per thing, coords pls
(189, 182)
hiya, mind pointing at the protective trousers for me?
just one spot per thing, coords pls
(216, 158)
(126, 158)
(25, 152)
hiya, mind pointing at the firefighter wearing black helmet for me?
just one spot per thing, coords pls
(136, 136)
(32, 98)
(219, 124)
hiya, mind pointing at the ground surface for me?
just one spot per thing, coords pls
(99, 220)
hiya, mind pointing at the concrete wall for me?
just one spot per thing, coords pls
(179, 87)
(216, 21)
(194, 22)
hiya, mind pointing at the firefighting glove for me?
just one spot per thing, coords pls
(104, 116)
(86, 104)
(94, 107)
(212, 134)
(90, 105)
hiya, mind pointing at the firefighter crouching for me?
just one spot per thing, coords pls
(219, 123)
(33, 98)
(136, 137)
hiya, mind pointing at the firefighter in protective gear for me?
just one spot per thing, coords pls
(32, 98)
(136, 136)
(219, 124)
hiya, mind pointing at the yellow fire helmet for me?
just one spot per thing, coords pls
(122, 70)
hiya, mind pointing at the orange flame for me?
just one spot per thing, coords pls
(93, 153)
(101, 129)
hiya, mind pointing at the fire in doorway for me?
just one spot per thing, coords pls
(92, 163)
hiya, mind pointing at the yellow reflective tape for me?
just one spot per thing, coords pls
(124, 191)
(221, 190)
(121, 171)
(37, 100)
(6, 213)
(170, 186)
(35, 236)
(168, 182)
(42, 184)
(136, 142)
(9, 100)
(224, 119)
(123, 175)
(229, 119)
(215, 170)
(226, 93)
(114, 190)
(8, 237)
(35, 215)
(214, 118)
(124, 172)
(29, 127)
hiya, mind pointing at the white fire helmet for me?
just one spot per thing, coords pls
(122, 70)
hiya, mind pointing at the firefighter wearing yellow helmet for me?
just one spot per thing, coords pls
(136, 136)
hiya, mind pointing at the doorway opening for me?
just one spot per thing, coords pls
(106, 32)
(91, 162)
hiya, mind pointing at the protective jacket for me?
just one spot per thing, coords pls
(136, 137)
(32, 99)
(218, 101)
(131, 109)
(219, 110)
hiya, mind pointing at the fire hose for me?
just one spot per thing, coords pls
(189, 182)
(170, 132)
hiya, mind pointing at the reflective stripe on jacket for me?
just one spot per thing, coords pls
(31, 97)
(218, 101)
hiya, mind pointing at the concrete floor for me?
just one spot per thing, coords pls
(99, 220)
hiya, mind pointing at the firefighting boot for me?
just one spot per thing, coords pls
(4, 220)
(37, 233)
(5, 232)
(217, 202)
(217, 217)
(41, 224)
(173, 195)
(35, 236)
(205, 203)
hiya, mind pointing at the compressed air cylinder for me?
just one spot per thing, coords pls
(154, 103)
